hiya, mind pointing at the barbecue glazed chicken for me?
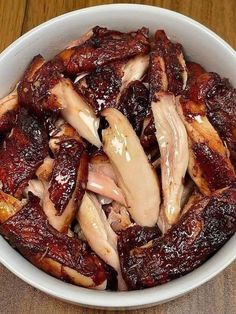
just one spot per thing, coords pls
(117, 162)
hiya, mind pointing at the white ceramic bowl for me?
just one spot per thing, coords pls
(201, 45)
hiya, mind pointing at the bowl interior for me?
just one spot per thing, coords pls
(200, 45)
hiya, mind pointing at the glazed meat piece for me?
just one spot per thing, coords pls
(63, 131)
(194, 71)
(45, 92)
(221, 108)
(67, 184)
(8, 111)
(148, 137)
(136, 236)
(209, 164)
(135, 175)
(103, 86)
(21, 153)
(62, 179)
(173, 144)
(39, 78)
(65, 168)
(64, 257)
(134, 104)
(205, 228)
(103, 47)
(167, 70)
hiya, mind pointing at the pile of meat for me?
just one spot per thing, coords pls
(117, 162)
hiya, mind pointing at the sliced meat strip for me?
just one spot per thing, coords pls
(22, 153)
(199, 233)
(64, 257)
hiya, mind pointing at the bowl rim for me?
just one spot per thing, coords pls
(131, 299)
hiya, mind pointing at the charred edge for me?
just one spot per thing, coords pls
(29, 231)
(215, 169)
(64, 176)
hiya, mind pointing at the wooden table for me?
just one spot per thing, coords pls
(215, 297)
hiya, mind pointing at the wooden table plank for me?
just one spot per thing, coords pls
(11, 21)
(218, 15)
(216, 296)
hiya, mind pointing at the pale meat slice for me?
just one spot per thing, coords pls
(135, 175)
(134, 70)
(76, 111)
(173, 144)
(103, 185)
(118, 217)
(99, 234)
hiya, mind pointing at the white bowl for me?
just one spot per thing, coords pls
(201, 45)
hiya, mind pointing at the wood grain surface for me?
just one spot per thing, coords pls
(215, 297)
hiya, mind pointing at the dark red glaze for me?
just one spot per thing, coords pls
(221, 111)
(64, 176)
(136, 236)
(192, 107)
(29, 231)
(7, 120)
(205, 228)
(194, 71)
(169, 52)
(103, 47)
(134, 104)
(214, 167)
(216, 98)
(148, 138)
(33, 89)
(22, 153)
(102, 86)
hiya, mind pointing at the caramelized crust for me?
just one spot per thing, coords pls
(167, 67)
(221, 108)
(28, 230)
(103, 47)
(215, 170)
(167, 72)
(102, 86)
(220, 100)
(36, 83)
(64, 175)
(134, 104)
(206, 226)
(136, 236)
(148, 138)
(209, 163)
(194, 71)
(7, 120)
(8, 111)
(22, 153)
